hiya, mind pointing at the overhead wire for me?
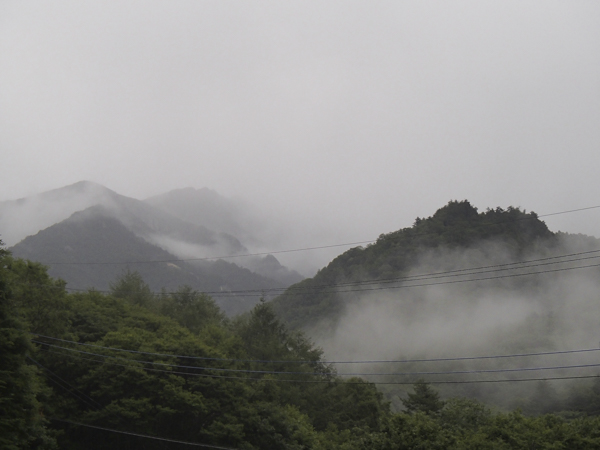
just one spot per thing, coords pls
(332, 380)
(302, 290)
(207, 258)
(79, 396)
(533, 216)
(447, 274)
(351, 374)
(147, 436)
(401, 361)
(541, 272)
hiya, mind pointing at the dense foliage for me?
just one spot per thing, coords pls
(189, 373)
(75, 369)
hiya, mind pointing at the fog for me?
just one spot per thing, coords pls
(26, 216)
(343, 120)
(503, 316)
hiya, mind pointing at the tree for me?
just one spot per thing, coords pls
(132, 287)
(192, 309)
(22, 425)
(425, 399)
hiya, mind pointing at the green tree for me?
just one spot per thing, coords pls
(132, 287)
(40, 300)
(191, 309)
(22, 425)
(424, 399)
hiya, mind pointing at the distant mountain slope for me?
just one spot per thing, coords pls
(94, 235)
(457, 225)
(460, 283)
(26, 216)
(170, 232)
(206, 208)
(68, 221)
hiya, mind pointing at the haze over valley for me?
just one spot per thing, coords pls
(461, 282)
(299, 225)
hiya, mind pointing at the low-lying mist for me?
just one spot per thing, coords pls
(448, 316)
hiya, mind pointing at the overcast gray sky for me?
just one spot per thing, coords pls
(357, 116)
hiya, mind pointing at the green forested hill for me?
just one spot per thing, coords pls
(461, 283)
(173, 367)
(458, 225)
(133, 370)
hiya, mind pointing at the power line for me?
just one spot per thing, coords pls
(204, 358)
(541, 272)
(460, 272)
(569, 211)
(70, 391)
(179, 366)
(330, 381)
(353, 374)
(498, 381)
(194, 374)
(210, 257)
(301, 290)
(146, 436)
(533, 217)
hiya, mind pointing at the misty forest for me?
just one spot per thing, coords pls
(155, 324)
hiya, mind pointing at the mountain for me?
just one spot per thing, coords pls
(92, 248)
(496, 236)
(87, 222)
(460, 283)
(206, 208)
(26, 216)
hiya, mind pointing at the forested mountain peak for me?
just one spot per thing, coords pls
(460, 223)
(460, 282)
(457, 225)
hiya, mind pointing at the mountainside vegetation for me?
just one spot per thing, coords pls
(462, 283)
(458, 225)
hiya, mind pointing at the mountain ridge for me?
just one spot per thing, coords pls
(91, 249)
(454, 226)
(66, 212)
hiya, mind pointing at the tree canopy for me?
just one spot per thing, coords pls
(76, 369)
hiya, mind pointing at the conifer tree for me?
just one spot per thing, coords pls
(424, 399)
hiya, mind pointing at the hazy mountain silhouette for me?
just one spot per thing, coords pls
(87, 222)
(71, 247)
(26, 216)
(454, 237)
(205, 207)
